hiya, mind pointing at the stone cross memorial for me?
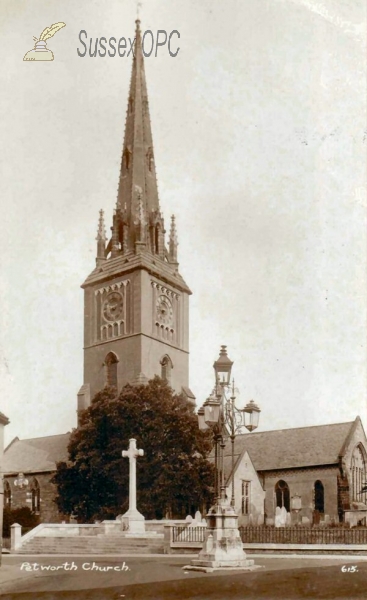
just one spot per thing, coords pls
(132, 517)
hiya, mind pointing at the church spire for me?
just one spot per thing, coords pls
(137, 164)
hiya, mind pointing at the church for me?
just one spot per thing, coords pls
(136, 326)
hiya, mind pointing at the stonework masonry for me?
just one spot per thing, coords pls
(20, 497)
(301, 482)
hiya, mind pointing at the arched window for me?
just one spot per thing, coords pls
(111, 369)
(166, 368)
(36, 498)
(358, 474)
(7, 495)
(282, 494)
(319, 496)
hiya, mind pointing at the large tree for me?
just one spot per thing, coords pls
(173, 475)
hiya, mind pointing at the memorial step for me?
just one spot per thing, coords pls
(91, 544)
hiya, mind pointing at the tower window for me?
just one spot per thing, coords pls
(36, 496)
(111, 370)
(282, 495)
(166, 368)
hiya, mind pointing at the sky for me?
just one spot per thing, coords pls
(259, 129)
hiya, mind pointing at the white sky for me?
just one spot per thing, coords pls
(259, 128)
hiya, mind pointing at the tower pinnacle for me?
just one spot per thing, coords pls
(173, 243)
(101, 239)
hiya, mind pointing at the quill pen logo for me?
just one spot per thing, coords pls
(40, 50)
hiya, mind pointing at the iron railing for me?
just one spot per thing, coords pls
(188, 534)
(279, 535)
(303, 535)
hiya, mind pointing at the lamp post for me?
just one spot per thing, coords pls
(223, 546)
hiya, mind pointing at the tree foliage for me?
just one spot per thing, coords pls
(172, 476)
(23, 516)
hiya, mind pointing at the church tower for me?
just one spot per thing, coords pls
(136, 304)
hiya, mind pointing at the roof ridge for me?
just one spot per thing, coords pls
(294, 428)
(43, 437)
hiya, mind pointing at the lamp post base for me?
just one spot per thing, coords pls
(223, 547)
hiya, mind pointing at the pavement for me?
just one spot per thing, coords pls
(157, 577)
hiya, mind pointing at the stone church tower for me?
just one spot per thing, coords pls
(136, 304)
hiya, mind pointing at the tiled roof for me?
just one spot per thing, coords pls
(290, 448)
(35, 454)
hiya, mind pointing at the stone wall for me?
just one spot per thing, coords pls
(301, 482)
(23, 497)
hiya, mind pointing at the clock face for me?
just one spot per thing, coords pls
(113, 306)
(164, 310)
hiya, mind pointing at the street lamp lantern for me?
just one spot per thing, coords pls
(212, 408)
(251, 415)
(201, 418)
(223, 368)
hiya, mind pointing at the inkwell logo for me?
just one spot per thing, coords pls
(40, 50)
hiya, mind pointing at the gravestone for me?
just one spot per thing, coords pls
(278, 517)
